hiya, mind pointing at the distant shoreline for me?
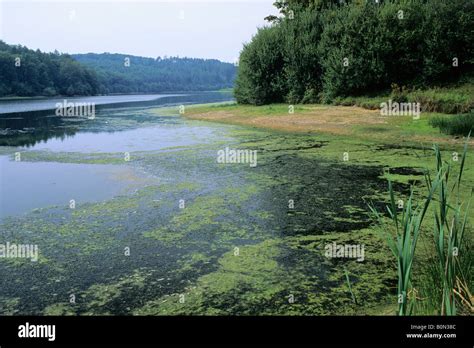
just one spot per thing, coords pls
(40, 97)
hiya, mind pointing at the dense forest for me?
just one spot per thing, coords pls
(318, 50)
(26, 72)
(120, 73)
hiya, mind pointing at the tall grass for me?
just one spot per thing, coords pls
(454, 125)
(448, 100)
(449, 276)
(348, 282)
(403, 246)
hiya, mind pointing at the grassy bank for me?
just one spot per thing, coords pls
(353, 121)
(448, 100)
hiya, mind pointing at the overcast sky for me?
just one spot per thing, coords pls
(192, 28)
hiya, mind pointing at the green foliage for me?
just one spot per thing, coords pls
(335, 49)
(448, 34)
(302, 69)
(403, 246)
(450, 225)
(454, 125)
(348, 282)
(43, 73)
(399, 94)
(285, 6)
(447, 100)
(150, 75)
(260, 79)
(448, 275)
(50, 74)
(351, 51)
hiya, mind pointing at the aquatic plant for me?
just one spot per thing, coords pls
(450, 224)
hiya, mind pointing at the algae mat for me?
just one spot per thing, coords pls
(202, 237)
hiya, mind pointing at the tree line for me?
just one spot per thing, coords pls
(26, 72)
(119, 73)
(318, 50)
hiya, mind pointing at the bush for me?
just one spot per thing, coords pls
(399, 94)
(49, 92)
(454, 125)
(302, 67)
(449, 34)
(452, 100)
(311, 96)
(347, 48)
(260, 78)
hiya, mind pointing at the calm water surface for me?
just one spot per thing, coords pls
(130, 124)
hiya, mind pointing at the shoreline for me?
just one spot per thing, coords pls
(346, 121)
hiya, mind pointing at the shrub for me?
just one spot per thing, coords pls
(453, 100)
(349, 48)
(399, 94)
(454, 125)
(260, 76)
(302, 68)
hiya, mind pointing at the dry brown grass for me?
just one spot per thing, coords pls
(337, 120)
(330, 119)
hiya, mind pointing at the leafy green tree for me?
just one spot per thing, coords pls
(301, 60)
(448, 40)
(25, 72)
(260, 79)
(351, 51)
(342, 48)
(149, 75)
(89, 74)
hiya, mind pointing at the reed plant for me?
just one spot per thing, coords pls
(449, 277)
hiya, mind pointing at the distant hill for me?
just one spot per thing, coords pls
(119, 73)
(25, 72)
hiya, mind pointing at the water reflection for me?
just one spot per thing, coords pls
(33, 127)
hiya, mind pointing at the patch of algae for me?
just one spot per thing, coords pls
(289, 276)
(100, 299)
(210, 220)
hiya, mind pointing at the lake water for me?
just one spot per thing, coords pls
(38, 104)
(155, 215)
(26, 186)
(123, 124)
